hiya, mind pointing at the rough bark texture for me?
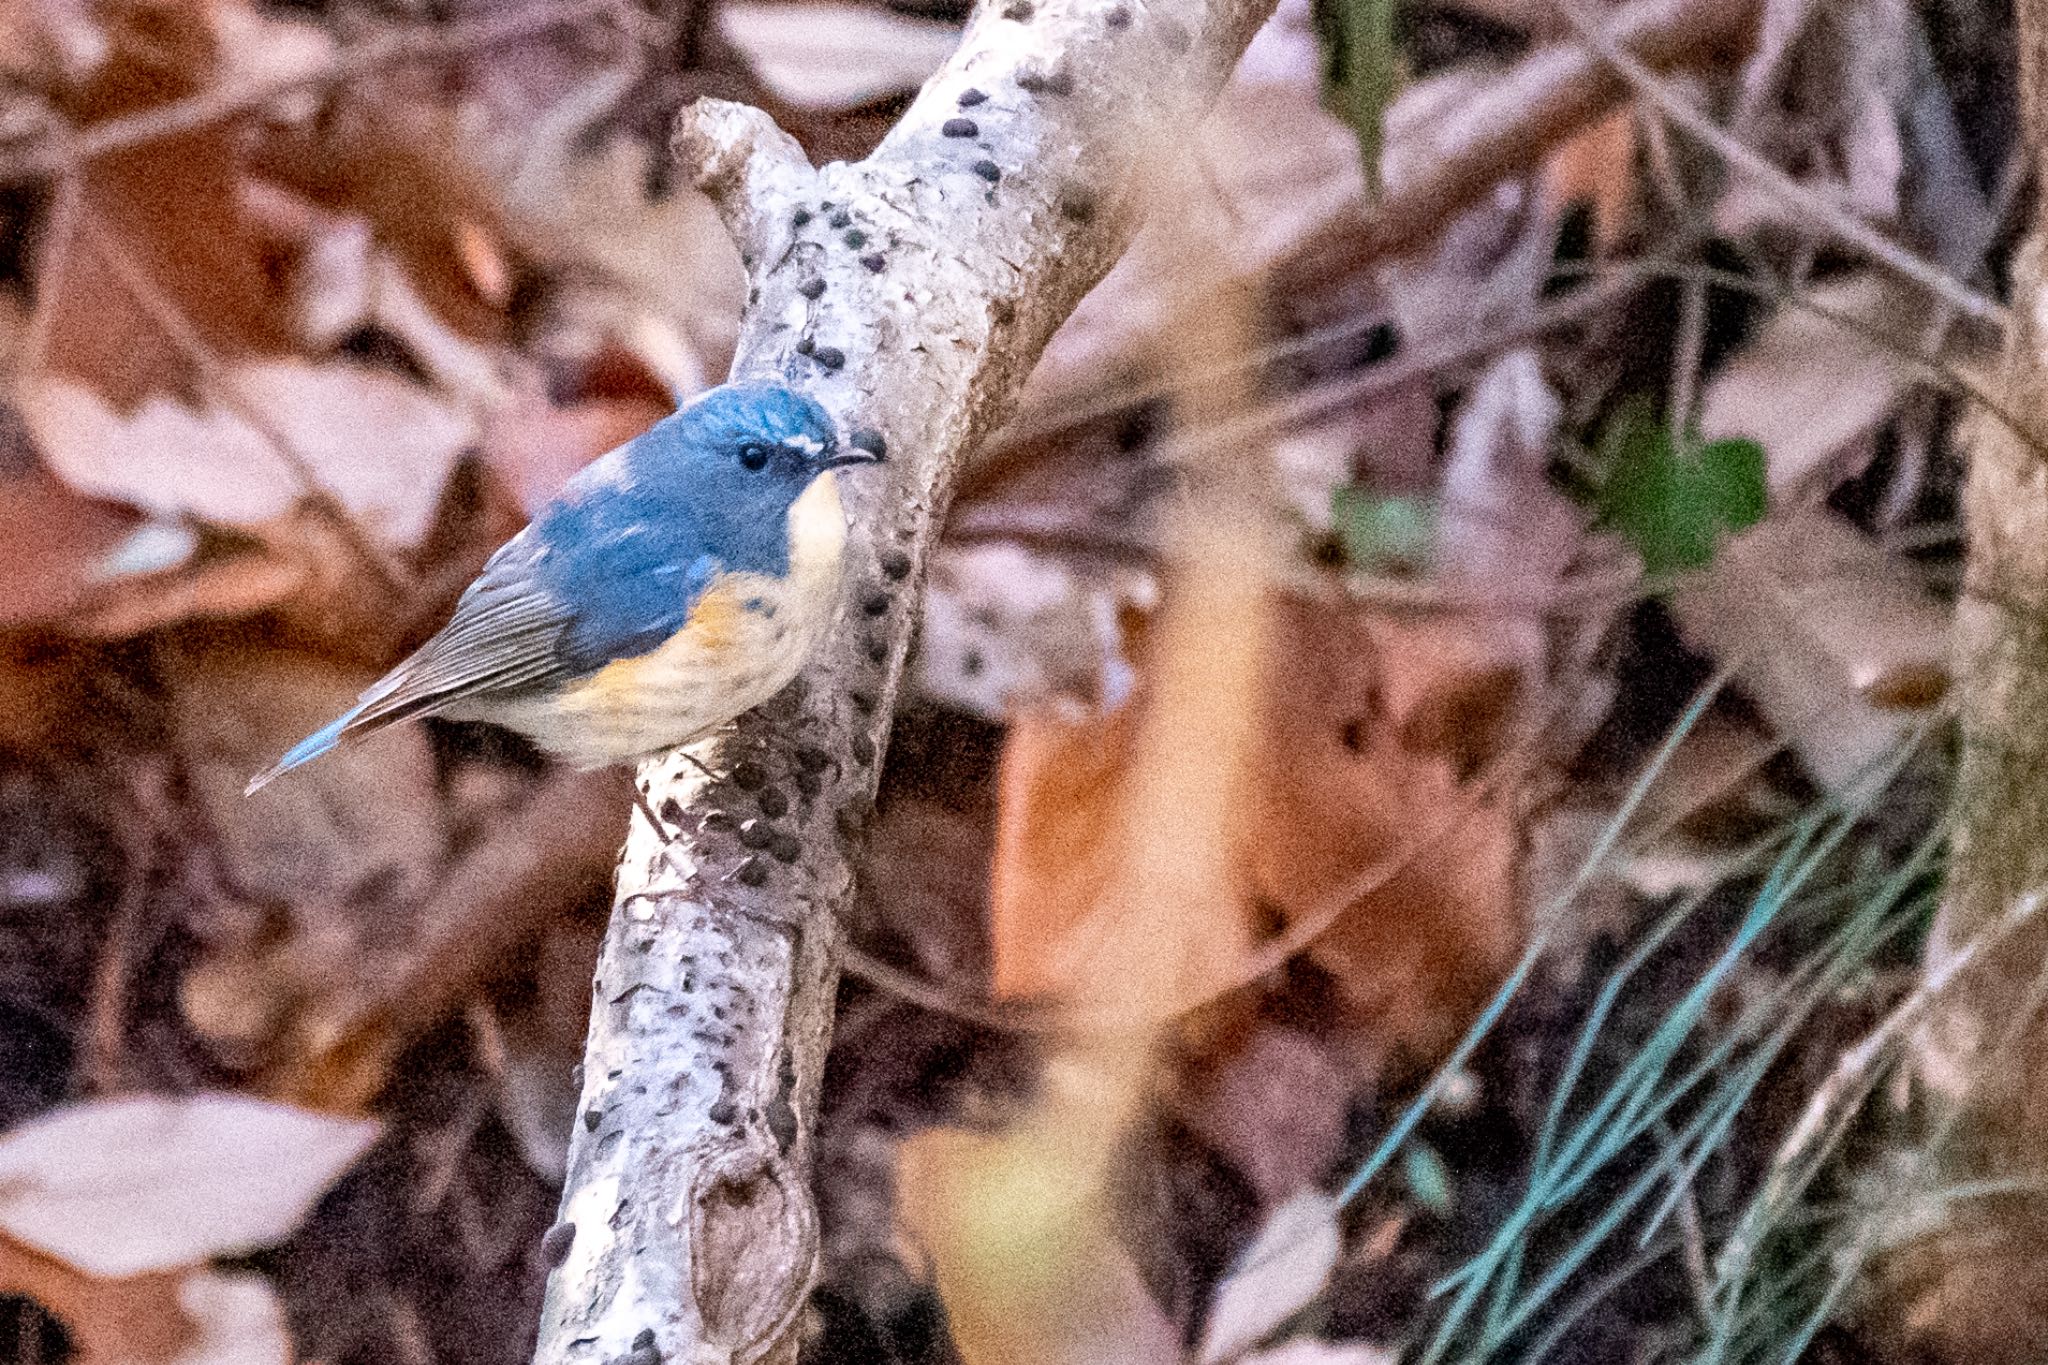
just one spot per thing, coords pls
(910, 294)
(1987, 1290)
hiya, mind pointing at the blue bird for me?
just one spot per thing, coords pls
(677, 581)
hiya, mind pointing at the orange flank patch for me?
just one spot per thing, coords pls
(714, 623)
(713, 628)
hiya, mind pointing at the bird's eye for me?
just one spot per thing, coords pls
(753, 456)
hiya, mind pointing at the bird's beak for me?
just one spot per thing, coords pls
(850, 453)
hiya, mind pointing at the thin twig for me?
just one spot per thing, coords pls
(1652, 88)
(68, 151)
(393, 577)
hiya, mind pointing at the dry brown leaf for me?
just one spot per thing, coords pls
(535, 445)
(192, 287)
(136, 1321)
(170, 212)
(1269, 1099)
(396, 167)
(197, 1317)
(57, 545)
(659, 274)
(1597, 168)
(1809, 386)
(346, 849)
(1840, 644)
(379, 445)
(1369, 728)
(1006, 630)
(144, 1183)
(362, 826)
(1280, 1273)
(831, 55)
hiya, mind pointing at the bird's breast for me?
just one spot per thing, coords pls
(746, 636)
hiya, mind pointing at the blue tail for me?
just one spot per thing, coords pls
(306, 750)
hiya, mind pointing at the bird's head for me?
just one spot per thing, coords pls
(767, 434)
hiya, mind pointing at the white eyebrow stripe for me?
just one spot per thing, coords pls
(805, 445)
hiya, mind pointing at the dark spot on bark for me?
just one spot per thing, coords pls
(787, 847)
(722, 1112)
(800, 217)
(748, 775)
(971, 663)
(960, 127)
(1046, 83)
(555, 1244)
(1077, 204)
(971, 97)
(853, 819)
(1018, 11)
(988, 170)
(874, 261)
(878, 651)
(1003, 311)
(753, 296)
(812, 288)
(591, 1118)
(863, 702)
(855, 239)
(804, 346)
(840, 219)
(672, 810)
(752, 873)
(863, 750)
(875, 603)
(896, 565)
(1119, 17)
(831, 357)
(774, 804)
(808, 784)
(811, 759)
(781, 1114)
(756, 834)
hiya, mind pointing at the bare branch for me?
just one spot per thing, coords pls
(909, 293)
(746, 165)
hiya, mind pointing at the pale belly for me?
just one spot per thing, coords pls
(747, 638)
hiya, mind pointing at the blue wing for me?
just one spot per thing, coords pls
(638, 566)
(541, 616)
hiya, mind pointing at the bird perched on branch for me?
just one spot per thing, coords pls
(677, 582)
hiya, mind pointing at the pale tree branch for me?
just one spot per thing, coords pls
(910, 293)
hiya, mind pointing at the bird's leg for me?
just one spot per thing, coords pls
(661, 830)
(691, 759)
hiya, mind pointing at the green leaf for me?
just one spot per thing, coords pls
(1383, 534)
(1361, 71)
(1673, 500)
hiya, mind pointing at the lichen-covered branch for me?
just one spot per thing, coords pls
(910, 293)
(1983, 1051)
